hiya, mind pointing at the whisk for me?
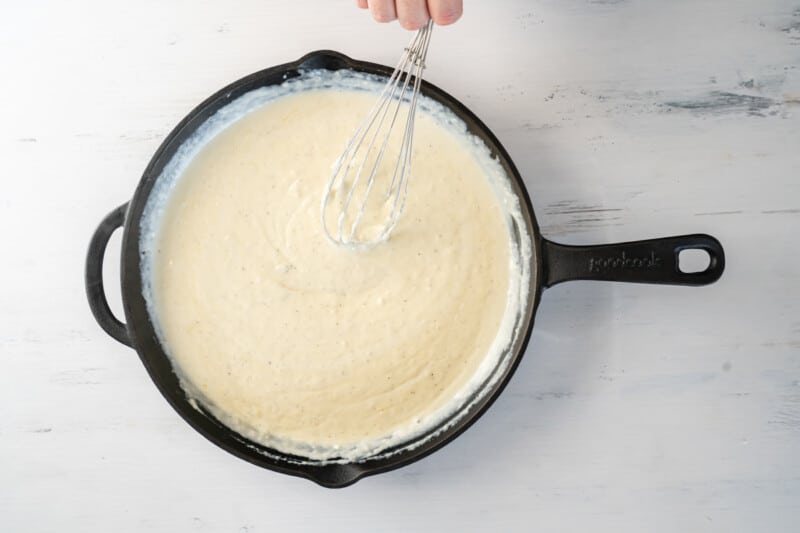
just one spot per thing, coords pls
(347, 189)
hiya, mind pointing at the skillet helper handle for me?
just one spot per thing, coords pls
(650, 261)
(94, 276)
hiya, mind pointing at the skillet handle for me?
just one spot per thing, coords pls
(94, 276)
(650, 261)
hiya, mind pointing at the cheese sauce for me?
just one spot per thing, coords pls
(312, 348)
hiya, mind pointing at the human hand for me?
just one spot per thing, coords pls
(414, 14)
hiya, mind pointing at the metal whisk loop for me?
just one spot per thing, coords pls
(360, 150)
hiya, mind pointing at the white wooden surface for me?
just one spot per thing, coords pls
(636, 408)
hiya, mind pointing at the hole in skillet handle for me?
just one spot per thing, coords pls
(693, 260)
(651, 261)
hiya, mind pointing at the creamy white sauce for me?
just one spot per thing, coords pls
(287, 338)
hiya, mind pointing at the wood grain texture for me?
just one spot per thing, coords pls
(636, 408)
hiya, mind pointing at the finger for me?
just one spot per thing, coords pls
(362, 4)
(444, 12)
(382, 10)
(413, 14)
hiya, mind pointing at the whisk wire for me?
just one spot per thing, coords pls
(408, 138)
(382, 151)
(365, 141)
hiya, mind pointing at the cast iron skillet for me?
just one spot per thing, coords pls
(651, 261)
